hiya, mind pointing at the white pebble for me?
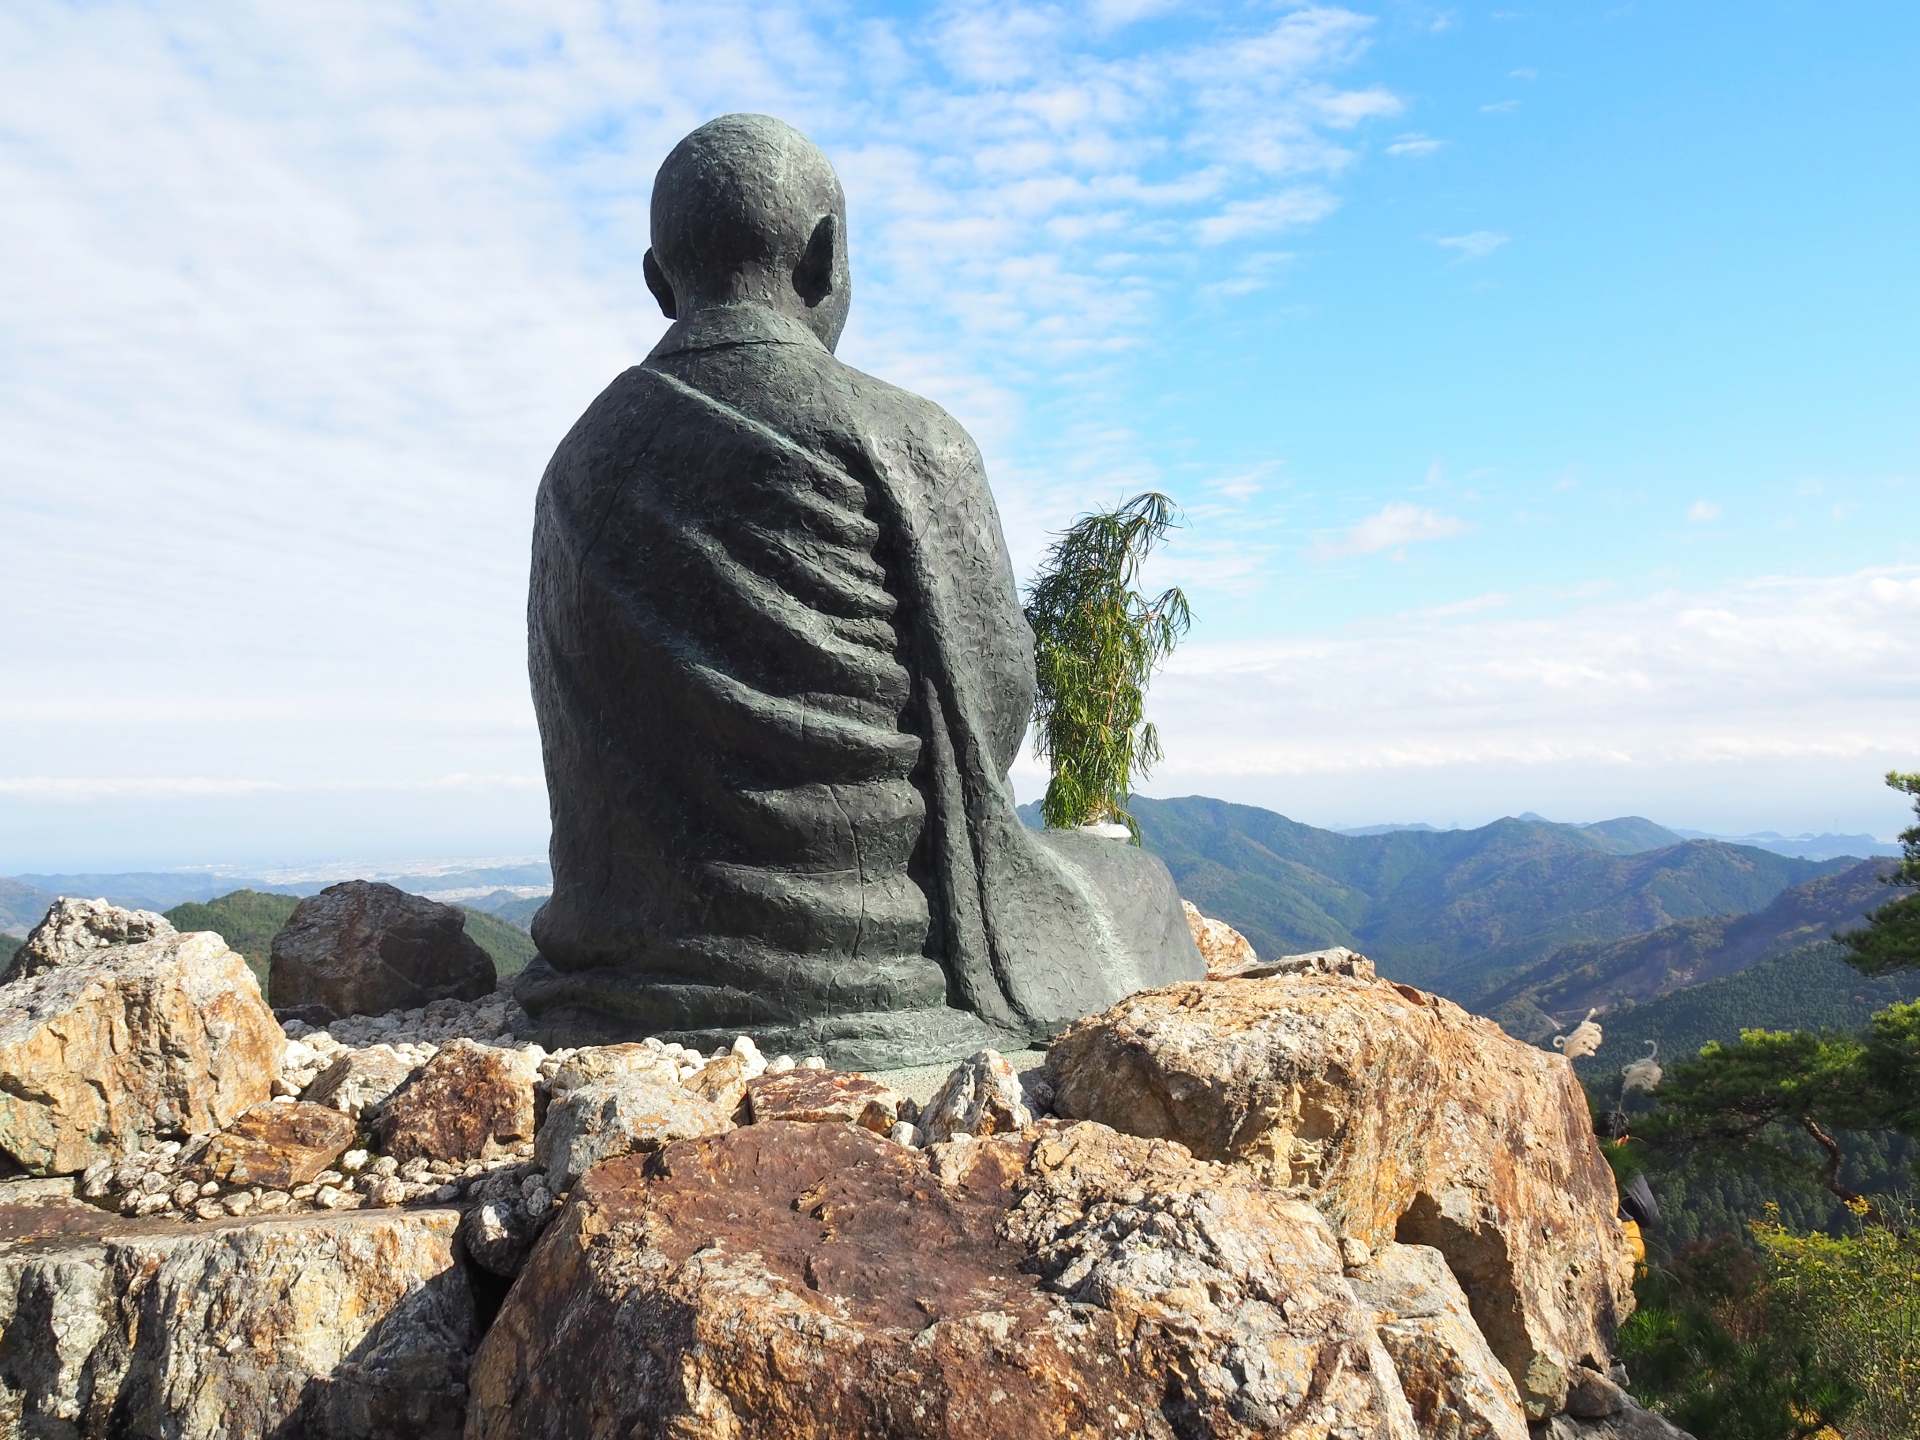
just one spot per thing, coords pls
(780, 1064)
(813, 1062)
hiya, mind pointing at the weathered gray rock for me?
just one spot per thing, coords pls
(110, 1047)
(320, 1326)
(781, 672)
(497, 1231)
(790, 1280)
(1455, 1386)
(618, 1117)
(360, 1081)
(76, 929)
(469, 1102)
(981, 1097)
(364, 948)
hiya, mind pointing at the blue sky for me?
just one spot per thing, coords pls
(1539, 383)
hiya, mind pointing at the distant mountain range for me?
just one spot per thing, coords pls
(25, 898)
(1459, 911)
(1801, 847)
(1526, 919)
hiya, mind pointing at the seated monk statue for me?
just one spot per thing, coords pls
(781, 672)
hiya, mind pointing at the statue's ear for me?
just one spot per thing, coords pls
(657, 283)
(813, 276)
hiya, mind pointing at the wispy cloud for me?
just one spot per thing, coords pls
(1414, 145)
(1703, 512)
(310, 293)
(1392, 527)
(1475, 244)
(1285, 211)
(1499, 107)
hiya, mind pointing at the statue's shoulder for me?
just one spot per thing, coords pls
(898, 419)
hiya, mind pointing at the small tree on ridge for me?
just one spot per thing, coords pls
(1097, 642)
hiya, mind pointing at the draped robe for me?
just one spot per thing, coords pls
(781, 671)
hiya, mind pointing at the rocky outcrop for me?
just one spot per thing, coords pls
(319, 1326)
(469, 1102)
(278, 1146)
(1455, 1386)
(111, 1046)
(791, 1279)
(618, 1117)
(1407, 1118)
(981, 1097)
(75, 929)
(364, 948)
(1226, 951)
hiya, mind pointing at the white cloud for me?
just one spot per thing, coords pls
(1475, 244)
(1703, 512)
(1285, 211)
(1392, 527)
(1500, 107)
(1525, 72)
(1413, 145)
(1659, 703)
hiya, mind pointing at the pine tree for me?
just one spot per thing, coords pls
(1891, 939)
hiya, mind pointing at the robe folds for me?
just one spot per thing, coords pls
(781, 672)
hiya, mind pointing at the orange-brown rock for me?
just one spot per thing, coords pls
(278, 1145)
(469, 1102)
(1408, 1119)
(814, 1282)
(1225, 949)
(111, 1046)
(723, 1083)
(823, 1096)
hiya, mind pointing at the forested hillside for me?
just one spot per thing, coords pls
(1459, 911)
(511, 947)
(8, 944)
(1807, 988)
(246, 919)
(1641, 968)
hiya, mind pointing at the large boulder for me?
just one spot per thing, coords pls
(110, 1043)
(76, 929)
(364, 948)
(815, 1280)
(469, 1102)
(1407, 1118)
(322, 1326)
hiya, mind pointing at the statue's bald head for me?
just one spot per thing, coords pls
(746, 208)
